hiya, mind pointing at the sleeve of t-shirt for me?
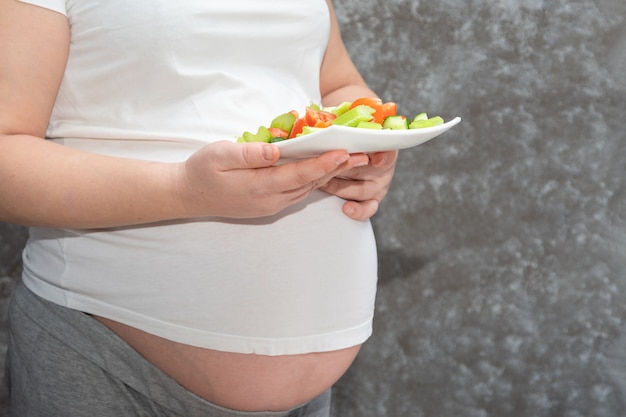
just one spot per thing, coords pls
(56, 5)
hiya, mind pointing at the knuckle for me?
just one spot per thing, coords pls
(246, 154)
(302, 178)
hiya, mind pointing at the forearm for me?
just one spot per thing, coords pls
(49, 185)
(347, 93)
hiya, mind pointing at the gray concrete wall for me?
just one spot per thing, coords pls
(503, 242)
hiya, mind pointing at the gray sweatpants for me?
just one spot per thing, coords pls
(64, 363)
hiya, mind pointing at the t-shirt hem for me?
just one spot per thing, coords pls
(54, 5)
(270, 346)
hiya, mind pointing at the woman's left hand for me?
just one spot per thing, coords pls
(366, 185)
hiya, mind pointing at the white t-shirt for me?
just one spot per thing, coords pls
(156, 80)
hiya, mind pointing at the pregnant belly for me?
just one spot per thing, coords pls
(240, 381)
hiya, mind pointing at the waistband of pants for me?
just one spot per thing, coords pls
(97, 344)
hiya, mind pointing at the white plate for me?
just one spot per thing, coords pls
(355, 140)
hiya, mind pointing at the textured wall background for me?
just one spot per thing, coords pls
(503, 242)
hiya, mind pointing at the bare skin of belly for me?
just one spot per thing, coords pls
(240, 381)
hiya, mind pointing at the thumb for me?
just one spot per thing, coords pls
(247, 155)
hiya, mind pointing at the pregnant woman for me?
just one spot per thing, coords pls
(171, 271)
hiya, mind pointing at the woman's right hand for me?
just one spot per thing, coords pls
(241, 180)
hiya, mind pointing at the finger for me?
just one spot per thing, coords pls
(349, 189)
(370, 166)
(229, 155)
(355, 168)
(359, 160)
(383, 159)
(360, 210)
(311, 173)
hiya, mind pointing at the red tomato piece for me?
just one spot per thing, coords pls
(298, 125)
(381, 110)
(318, 118)
(373, 102)
(278, 133)
(389, 109)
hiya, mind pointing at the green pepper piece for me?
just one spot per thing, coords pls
(262, 135)
(352, 117)
(284, 122)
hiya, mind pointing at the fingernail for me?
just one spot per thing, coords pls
(269, 152)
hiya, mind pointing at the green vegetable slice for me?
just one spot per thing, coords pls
(262, 135)
(354, 116)
(420, 116)
(340, 109)
(369, 125)
(398, 122)
(433, 121)
(310, 129)
(284, 122)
